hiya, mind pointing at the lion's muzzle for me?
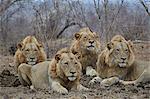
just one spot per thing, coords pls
(31, 61)
(72, 76)
(91, 45)
(123, 62)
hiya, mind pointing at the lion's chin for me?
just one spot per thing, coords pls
(90, 48)
(71, 78)
(32, 63)
(122, 64)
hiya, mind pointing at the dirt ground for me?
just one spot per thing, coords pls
(10, 87)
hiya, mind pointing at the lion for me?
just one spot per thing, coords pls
(61, 74)
(117, 63)
(29, 51)
(87, 44)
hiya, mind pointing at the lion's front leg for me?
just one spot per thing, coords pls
(109, 81)
(81, 88)
(104, 82)
(56, 86)
(24, 73)
(95, 80)
(90, 71)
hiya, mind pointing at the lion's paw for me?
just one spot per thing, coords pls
(62, 90)
(109, 81)
(90, 71)
(82, 88)
(33, 88)
(95, 80)
(58, 88)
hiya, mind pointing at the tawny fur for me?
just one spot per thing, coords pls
(21, 58)
(79, 45)
(134, 71)
(106, 69)
(54, 74)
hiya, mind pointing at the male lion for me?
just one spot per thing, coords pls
(117, 63)
(87, 44)
(29, 51)
(61, 74)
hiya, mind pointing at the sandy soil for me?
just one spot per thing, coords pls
(10, 87)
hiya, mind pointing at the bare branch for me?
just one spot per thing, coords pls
(67, 26)
(146, 8)
(96, 6)
(114, 18)
(4, 5)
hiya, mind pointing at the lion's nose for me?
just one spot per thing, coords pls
(32, 58)
(123, 58)
(72, 72)
(91, 41)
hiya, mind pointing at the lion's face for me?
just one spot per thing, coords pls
(120, 54)
(31, 52)
(87, 40)
(68, 65)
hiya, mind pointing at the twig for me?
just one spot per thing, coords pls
(146, 8)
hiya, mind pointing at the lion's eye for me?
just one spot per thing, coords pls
(85, 37)
(126, 50)
(117, 49)
(27, 50)
(35, 50)
(66, 63)
(75, 62)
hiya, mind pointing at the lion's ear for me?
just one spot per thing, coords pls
(41, 45)
(110, 45)
(130, 43)
(57, 57)
(77, 55)
(96, 35)
(19, 46)
(77, 36)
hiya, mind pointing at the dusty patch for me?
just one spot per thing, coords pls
(8, 79)
(11, 88)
